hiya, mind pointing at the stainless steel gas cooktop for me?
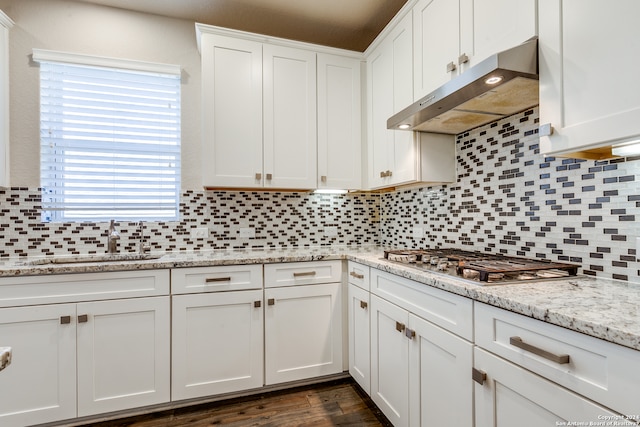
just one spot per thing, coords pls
(479, 267)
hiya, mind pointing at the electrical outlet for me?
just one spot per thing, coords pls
(418, 232)
(200, 232)
(331, 231)
(247, 232)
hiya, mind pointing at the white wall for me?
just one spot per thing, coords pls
(70, 26)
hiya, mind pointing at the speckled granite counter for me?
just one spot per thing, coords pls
(602, 308)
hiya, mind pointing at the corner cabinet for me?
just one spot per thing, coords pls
(586, 101)
(450, 36)
(5, 25)
(391, 153)
(84, 344)
(259, 114)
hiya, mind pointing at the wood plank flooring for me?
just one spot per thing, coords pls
(337, 403)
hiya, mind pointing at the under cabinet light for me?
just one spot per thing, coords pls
(629, 149)
(404, 126)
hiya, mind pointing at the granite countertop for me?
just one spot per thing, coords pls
(602, 308)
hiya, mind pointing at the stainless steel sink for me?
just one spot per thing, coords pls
(78, 259)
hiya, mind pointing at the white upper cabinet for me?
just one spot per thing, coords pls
(588, 100)
(259, 114)
(452, 35)
(339, 122)
(5, 24)
(232, 112)
(290, 142)
(392, 155)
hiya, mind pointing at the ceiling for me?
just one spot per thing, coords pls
(346, 24)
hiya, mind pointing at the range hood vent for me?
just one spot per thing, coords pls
(468, 101)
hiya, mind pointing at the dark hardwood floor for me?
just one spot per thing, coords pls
(336, 403)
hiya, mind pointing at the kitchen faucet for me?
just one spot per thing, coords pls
(143, 247)
(113, 237)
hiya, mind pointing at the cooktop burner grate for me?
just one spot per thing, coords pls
(480, 266)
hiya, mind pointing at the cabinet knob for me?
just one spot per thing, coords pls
(258, 176)
(451, 66)
(400, 327)
(269, 176)
(65, 320)
(83, 318)
(271, 301)
(545, 130)
(478, 376)
(410, 333)
(463, 59)
(363, 305)
(257, 304)
(323, 178)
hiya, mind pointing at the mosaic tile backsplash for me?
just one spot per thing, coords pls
(510, 199)
(280, 220)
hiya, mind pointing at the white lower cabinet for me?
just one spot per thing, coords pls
(217, 343)
(109, 355)
(440, 386)
(303, 332)
(359, 337)
(513, 396)
(390, 360)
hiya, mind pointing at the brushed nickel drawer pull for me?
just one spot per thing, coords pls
(400, 327)
(304, 273)
(363, 304)
(217, 279)
(356, 275)
(451, 66)
(83, 318)
(257, 304)
(271, 301)
(558, 358)
(65, 320)
(478, 376)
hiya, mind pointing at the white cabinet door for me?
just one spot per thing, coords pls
(217, 344)
(436, 27)
(390, 360)
(491, 26)
(359, 337)
(440, 384)
(5, 25)
(303, 332)
(40, 384)
(450, 36)
(391, 154)
(589, 88)
(290, 139)
(123, 354)
(231, 112)
(513, 396)
(339, 123)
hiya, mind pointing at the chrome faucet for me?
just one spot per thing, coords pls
(112, 239)
(143, 247)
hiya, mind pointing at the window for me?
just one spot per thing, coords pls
(110, 138)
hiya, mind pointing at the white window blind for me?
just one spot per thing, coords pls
(110, 143)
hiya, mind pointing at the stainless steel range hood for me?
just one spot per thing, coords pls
(468, 101)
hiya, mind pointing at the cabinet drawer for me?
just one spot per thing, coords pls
(359, 275)
(302, 273)
(31, 290)
(449, 311)
(216, 279)
(602, 371)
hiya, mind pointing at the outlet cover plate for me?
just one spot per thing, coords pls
(200, 233)
(247, 232)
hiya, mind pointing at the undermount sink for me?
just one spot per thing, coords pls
(77, 259)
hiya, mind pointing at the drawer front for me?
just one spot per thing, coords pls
(302, 273)
(358, 275)
(605, 372)
(449, 311)
(31, 290)
(216, 279)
